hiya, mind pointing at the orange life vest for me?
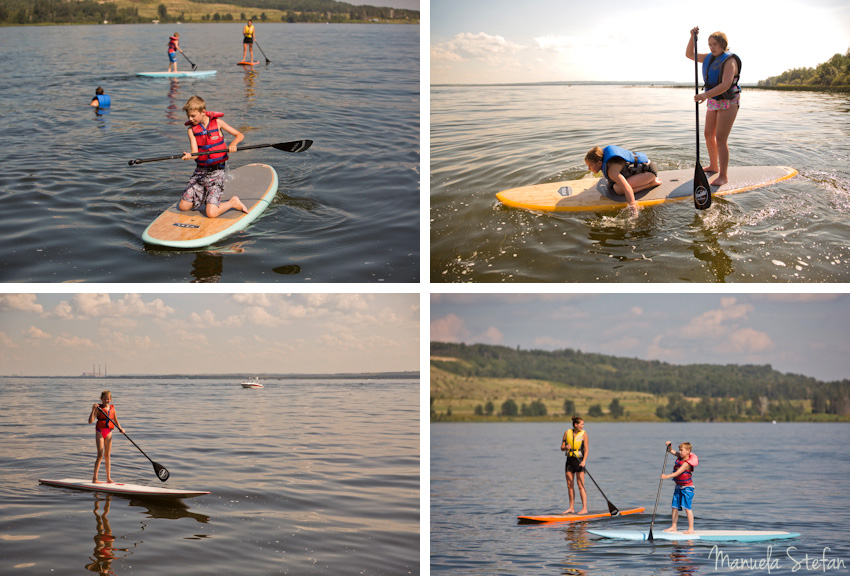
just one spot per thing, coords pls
(102, 421)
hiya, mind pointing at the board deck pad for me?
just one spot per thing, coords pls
(254, 184)
(135, 490)
(187, 74)
(594, 193)
(709, 535)
(546, 518)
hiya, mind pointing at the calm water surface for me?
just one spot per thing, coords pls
(485, 139)
(307, 477)
(792, 477)
(347, 210)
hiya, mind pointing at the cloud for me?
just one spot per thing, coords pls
(102, 306)
(73, 342)
(491, 336)
(449, 328)
(469, 46)
(37, 334)
(716, 323)
(20, 302)
(749, 341)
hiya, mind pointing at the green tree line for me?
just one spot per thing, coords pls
(323, 10)
(833, 73)
(62, 12)
(745, 383)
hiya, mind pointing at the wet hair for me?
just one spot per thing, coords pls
(195, 103)
(595, 155)
(577, 419)
(99, 91)
(721, 39)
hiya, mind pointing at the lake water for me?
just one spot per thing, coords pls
(791, 477)
(307, 477)
(485, 139)
(347, 210)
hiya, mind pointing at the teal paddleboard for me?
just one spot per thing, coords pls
(189, 74)
(710, 535)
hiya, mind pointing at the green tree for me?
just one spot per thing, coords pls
(488, 408)
(595, 411)
(509, 408)
(615, 409)
(569, 408)
(162, 13)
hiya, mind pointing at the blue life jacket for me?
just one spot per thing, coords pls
(632, 159)
(712, 74)
(103, 101)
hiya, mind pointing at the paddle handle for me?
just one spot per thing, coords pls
(294, 147)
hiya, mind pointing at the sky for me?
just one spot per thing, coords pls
(805, 334)
(504, 41)
(65, 334)
(406, 4)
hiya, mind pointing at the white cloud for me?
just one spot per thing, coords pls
(37, 334)
(102, 306)
(20, 302)
(480, 46)
(717, 323)
(491, 336)
(449, 328)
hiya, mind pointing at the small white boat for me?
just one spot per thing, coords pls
(255, 383)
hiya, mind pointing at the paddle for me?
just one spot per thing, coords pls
(663, 467)
(194, 66)
(611, 508)
(295, 146)
(702, 190)
(160, 470)
(263, 53)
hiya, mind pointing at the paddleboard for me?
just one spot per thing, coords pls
(594, 194)
(710, 535)
(254, 184)
(188, 74)
(244, 63)
(573, 517)
(125, 489)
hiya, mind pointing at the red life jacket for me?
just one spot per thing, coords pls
(686, 478)
(210, 139)
(102, 421)
(172, 44)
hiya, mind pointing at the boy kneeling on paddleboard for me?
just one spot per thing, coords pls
(206, 185)
(682, 475)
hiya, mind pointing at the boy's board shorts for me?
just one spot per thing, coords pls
(172, 56)
(683, 497)
(206, 186)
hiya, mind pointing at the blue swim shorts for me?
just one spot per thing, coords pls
(683, 497)
(172, 56)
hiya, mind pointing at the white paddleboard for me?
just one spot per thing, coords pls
(676, 185)
(710, 535)
(188, 74)
(125, 489)
(254, 184)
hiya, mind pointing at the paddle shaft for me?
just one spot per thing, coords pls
(157, 467)
(294, 147)
(194, 66)
(611, 508)
(702, 190)
(263, 53)
(657, 496)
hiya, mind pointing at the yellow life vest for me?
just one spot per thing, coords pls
(248, 31)
(574, 443)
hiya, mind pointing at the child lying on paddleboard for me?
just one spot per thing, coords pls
(206, 186)
(682, 475)
(627, 172)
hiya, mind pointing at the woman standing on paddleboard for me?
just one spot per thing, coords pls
(103, 433)
(721, 70)
(248, 34)
(577, 447)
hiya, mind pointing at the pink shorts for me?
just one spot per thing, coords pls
(713, 104)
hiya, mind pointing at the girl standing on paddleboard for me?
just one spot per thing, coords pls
(721, 70)
(248, 34)
(103, 433)
(577, 447)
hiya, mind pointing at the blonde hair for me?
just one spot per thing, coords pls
(685, 445)
(721, 39)
(108, 395)
(595, 155)
(195, 103)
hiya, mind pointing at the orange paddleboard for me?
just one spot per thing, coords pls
(574, 517)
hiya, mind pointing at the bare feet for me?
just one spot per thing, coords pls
(710, 169)
(691, 531)
(237, 203)
(670, 529)
(96, 481)
(570, 511)
(582, 511)
(720, 181)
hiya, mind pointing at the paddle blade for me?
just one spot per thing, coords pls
(161, 472)
(702, 190)
(295, 147)
(612, 509)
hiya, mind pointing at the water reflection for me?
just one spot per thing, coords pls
(250, 83)
(174, 111)
(104, 540)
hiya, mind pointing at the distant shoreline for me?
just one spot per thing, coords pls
(783, 88)
(261, 375)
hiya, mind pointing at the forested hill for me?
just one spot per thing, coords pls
(834, 73)
(588, 370)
